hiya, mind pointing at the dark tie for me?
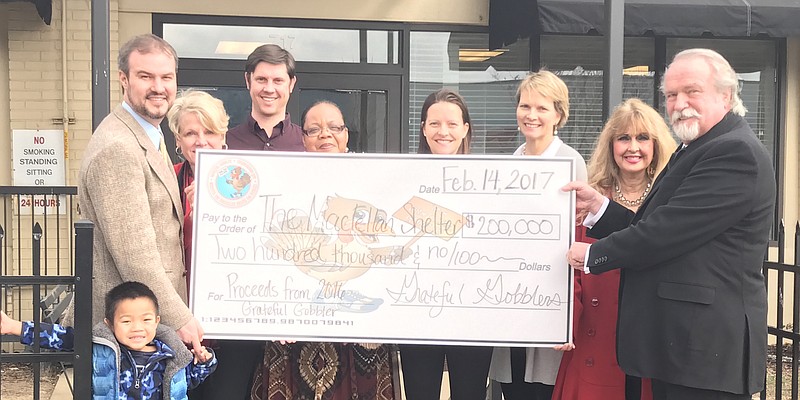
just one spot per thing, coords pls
(677, 154)
(672, 159)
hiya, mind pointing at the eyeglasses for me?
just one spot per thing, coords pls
(316, 131)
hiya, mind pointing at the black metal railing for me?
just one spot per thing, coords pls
(52, 207)
(81, 355)
(44, 253)
(786, 334)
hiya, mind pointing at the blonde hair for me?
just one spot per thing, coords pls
(632, 116)
(209, 110)
(551, 86)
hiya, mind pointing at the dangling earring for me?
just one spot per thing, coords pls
(651, 170)
(224, 146)
(178, 150)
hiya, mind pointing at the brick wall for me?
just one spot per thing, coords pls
(35, 98)
(35, 72)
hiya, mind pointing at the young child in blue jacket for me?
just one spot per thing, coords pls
(133, 356)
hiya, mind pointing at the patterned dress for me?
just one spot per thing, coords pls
(324, 371)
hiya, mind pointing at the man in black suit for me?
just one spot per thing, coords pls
(692, 310)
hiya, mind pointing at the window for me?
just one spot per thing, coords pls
(755, 63)
(486, 79)
(578, 60)
(334, 45)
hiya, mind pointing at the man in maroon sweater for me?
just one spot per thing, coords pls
(269, 75)
(270, 78)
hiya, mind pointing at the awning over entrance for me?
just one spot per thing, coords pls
(43, 7)
(719, 18)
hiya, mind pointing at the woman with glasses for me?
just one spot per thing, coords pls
(324, 129)
(326, 371)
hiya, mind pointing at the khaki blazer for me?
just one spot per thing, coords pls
(131, 195)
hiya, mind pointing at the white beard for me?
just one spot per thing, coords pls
(686, 131)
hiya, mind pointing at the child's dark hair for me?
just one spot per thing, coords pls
(127, 291)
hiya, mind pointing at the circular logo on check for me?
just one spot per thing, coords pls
(233, 183)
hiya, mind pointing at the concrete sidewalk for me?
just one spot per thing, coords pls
(62, 390)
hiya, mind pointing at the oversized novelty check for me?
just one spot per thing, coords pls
(383, 248)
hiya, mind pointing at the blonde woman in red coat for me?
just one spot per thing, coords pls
(632, 149)
(198, 121)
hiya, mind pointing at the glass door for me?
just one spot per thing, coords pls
(371, 106)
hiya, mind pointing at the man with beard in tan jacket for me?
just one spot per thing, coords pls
(128, 189)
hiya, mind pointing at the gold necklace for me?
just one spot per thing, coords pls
(620, 198)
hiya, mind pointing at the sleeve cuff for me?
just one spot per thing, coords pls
(589, 248)
(27, 333)
(592, 218)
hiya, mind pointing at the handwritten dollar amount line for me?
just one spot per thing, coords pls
(531, 226)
